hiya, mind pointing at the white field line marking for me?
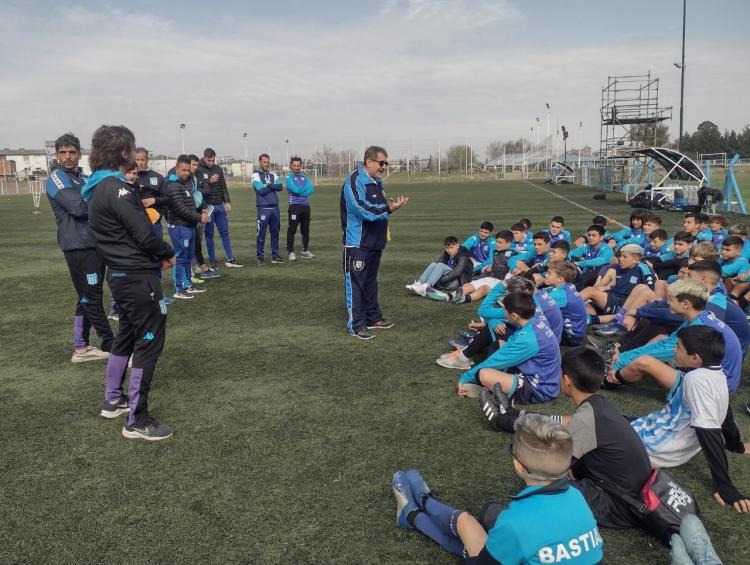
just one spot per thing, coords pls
(571, 202)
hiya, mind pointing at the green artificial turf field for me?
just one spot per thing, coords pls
(287, 430)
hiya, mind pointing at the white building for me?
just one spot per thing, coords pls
(26, 162)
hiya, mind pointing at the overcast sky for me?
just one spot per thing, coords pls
(402, 73)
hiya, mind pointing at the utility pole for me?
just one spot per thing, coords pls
(682, 78)
(182, 137)
(547, 147)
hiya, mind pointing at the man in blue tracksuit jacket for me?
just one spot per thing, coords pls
(299, 187)
(266, 185)
(86, 268)
(364, 220)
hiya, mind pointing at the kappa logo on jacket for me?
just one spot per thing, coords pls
(122, 192)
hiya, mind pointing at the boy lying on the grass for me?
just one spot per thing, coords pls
(696, 410)
(527, 366)
(546, 522)
(451, 270)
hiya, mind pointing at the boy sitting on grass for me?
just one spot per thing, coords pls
(560, 277)
(719, 231)
(692, 419)
(557, 231)
(614, 287)
(479, 245)
(539, 254)
(591, 256)
(453, 269)
(547, 522)
(658, 245)
(527, 366)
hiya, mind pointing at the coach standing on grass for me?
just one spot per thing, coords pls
(74, 238)
(125, 239)
(364, 219)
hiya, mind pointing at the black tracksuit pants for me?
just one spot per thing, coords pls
(143, 326)
(299, 214)
(87, 273)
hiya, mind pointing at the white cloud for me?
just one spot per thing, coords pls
(465, 14)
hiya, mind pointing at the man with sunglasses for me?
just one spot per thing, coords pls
(364, 220)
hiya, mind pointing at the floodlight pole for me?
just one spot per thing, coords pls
(182, 137)
(547, 147)
(580, 127)
(682, 73)
(244, 154)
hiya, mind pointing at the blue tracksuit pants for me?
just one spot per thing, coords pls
(269, 218)
(361, 287)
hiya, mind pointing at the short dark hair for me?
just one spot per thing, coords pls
(183, 159)
(526, 222)
(194, 157)
(636, 215)
(521, 304)
(597, 228)
(141, 150)
(659, 234)
(295, 159)
(505, 235)
(653, 218)
(372, 152)
(487, 225)
(565, 269)
(704, 341)
(558, 219)
(684, 236)
(109, 144)
(518, 226)
(600, 220)
(695, 215)
(703, 217)
(67, 139)
(543, 235)
(208, 152)
(451, 240)
(561, 244)
(264, 155)
(733, 241)
(585, 368)
(704, 266)
(529, 276)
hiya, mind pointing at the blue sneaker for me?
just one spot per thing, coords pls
(404, 500)
(458, 343)
(611, 330)
(419, 489)
(468, 334)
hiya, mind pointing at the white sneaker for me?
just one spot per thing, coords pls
(454, 362)
(413, 287)
(307, 255)
(292, 256)
(89, 354)
(421, 289)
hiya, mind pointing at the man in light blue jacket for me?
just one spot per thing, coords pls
(299, 187)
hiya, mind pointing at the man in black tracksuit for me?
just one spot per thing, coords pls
(210, 179)
(125, 239)
(152, 186)
(86, 268)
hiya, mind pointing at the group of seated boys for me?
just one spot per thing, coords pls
(672, 310)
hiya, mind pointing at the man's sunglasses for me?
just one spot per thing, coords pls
(381, 163)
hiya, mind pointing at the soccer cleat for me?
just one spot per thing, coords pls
(89, 354)
(291, 257)
(152, 431)
(362, 333)
(458, 343)
(196, 280)
(381, 325)
(468, 334)
(434, 294)
(233, 263)
(611, 330)
(277, 260)
(419, 489)
(182, 295)
(405, 504)
(307, 254)
(489, 406)
(114, 409)
(209, 275)
(194, 290)
(454, 362)
(504, 404)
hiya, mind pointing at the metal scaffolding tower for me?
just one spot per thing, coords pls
(630, 114)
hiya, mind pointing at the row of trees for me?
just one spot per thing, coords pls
(707, 138)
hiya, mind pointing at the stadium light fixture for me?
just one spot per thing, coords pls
(182, 137)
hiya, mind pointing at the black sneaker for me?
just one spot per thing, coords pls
(152, 431)
(213, 266)
(114, 409)
(362, 333)
(277, 259)
(260, 262)
(381, 325)
(233, 263)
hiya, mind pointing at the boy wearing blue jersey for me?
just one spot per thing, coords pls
(527, 366)
(266, 185)
(693, 224)
(591, 256)
(479, 245)
(657, 244)
(529, 529)
(560, 278)
(614, 287)
(557, 231)
(688, 299)
(538, 255)
(719, 231)
(734, 267)
(299, 187)
(521, 242)
(632, 234)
